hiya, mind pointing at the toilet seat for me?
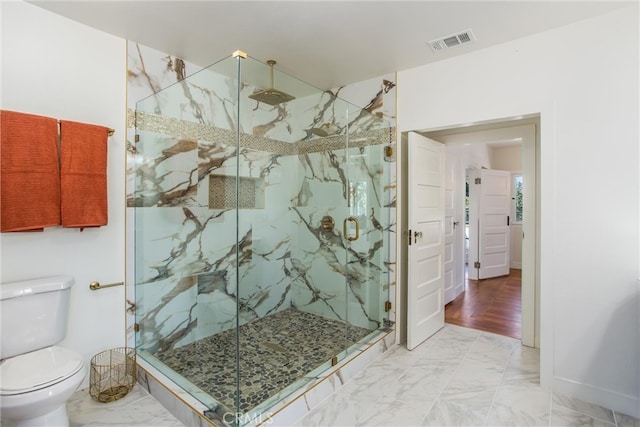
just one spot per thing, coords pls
(38, 369)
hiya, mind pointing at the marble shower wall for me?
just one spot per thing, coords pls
(335, 279)
(185, 249)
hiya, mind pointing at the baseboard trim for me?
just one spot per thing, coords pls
(619, 402)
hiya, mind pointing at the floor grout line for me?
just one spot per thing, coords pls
(450, 378)
(504, 373)
(550, 406)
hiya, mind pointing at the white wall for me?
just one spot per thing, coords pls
(506, 158)
(583, 80)
(55, 67)
(475, 156)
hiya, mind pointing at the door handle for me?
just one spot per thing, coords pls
(456, 224)
(344, 228)
(417, 234)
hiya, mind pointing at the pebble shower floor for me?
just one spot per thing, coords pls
(275, 351)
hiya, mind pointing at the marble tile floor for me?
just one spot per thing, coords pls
(459, 377)
(137, 408)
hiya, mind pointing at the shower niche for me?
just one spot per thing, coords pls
(243, 293)
(223, 189)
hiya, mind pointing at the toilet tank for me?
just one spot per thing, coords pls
(33, 314)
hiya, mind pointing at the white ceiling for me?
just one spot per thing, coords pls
(325, 43)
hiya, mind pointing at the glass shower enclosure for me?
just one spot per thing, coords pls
(262, 230)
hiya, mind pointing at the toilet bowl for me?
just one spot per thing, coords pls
(36, 376)
(36, 386)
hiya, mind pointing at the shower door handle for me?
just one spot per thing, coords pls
(344, 228)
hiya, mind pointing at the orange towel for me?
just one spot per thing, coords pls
(29, 177)
(83, 174)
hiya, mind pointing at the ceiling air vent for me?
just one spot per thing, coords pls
(453, 40)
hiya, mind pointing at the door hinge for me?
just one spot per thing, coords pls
(408, 234)
(476, 264)
(478, 181)
(387, 306)
(137, 138)
(136, 327)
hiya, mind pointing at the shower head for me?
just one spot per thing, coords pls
(271, 96)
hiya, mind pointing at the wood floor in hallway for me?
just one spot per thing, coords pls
(490, 305)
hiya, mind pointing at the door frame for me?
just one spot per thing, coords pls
(531, 226)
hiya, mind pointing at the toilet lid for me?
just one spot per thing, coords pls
(38, 369)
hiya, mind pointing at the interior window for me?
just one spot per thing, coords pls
(517, 198)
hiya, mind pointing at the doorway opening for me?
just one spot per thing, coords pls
(508, 304)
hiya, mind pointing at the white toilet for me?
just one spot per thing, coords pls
(36, 377)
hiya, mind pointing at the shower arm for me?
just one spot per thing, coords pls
(271, 63)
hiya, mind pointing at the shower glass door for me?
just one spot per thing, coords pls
(368, 224)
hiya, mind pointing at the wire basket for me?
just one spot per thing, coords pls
(113, 374)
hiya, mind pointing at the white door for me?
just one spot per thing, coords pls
(453, 226)
(425, 288)
(494, 238)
